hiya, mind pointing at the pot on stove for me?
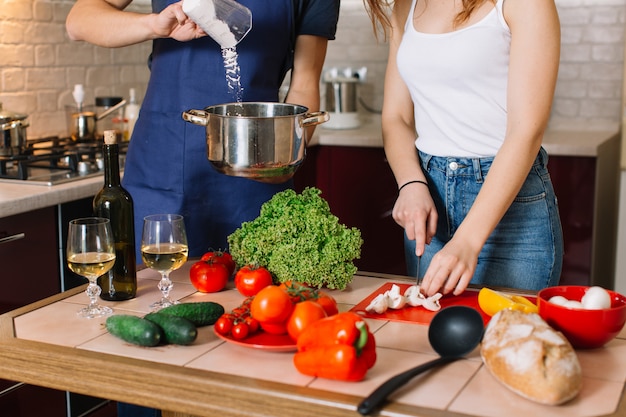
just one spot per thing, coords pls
(83, 123)
(12, 132)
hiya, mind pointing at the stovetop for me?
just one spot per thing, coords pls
(54, 160)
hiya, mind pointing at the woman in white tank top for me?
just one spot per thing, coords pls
(468, 93)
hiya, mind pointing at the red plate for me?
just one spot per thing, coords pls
(265, 341)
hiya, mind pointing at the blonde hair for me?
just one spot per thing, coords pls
(379, 12)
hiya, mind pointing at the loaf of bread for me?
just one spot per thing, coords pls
(529, 357)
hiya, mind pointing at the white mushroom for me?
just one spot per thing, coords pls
(396, 300)
(379, 304)
(414, 296)
(432, 302)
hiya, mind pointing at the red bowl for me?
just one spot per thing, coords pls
(585, 329)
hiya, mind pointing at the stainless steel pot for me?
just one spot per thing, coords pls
(82, 124)
(262, 141)
(12, 132)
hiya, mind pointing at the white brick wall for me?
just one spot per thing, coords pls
(588, 93)
(39, 65)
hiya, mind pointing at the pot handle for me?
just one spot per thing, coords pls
(197, 117)
(315, 118)
(13, 125)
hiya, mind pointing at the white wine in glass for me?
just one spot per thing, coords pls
(164, 249)
(91, 253)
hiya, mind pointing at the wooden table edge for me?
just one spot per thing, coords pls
(192, 392)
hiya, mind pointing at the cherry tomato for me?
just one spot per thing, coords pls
(304, 313)
(252, 323)
(327, 302)
(224, 324)
(251, 279)
(208, 276)
(240, 330)
(221, 257)
(271, 305)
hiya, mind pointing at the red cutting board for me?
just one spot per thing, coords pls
(418, 314)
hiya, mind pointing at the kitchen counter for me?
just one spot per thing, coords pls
(19, 197)
(556, 142)
(47, 344)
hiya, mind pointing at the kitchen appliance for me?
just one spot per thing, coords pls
(55, 160)
(261, 141)
(12, 132)
(342, 97)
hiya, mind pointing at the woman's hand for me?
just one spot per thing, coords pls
(451, 269)
(415, 211)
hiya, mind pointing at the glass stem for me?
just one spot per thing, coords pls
(93, 291)
(165, 285)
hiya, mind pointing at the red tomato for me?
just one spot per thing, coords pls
(328, 303)
(252, 323)
(274, 328)
(298, 290)
(223, 325)
(240, 330)
(271, 305)
(208, 276)
(304, 313)
(251, 279)
(224, 258)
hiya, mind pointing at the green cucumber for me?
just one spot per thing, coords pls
(201, 313)
(176, 330)
(134, 330)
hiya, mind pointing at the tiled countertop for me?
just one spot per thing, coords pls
(53, 347)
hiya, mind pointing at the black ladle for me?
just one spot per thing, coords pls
(454, 332)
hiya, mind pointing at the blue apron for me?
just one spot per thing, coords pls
(167, 170)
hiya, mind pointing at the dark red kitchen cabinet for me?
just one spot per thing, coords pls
(29, 400)
(30, 272)
(360, 189)
(29, 258)
(587, 189)
(29, 255)
(573, 181)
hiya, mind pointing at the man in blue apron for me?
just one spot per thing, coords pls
(166, 167)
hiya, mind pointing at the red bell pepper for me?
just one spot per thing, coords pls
(336, 347)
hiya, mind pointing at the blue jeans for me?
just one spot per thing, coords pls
(525, 250)
(130, 410)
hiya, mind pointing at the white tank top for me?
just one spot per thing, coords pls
(458, 83)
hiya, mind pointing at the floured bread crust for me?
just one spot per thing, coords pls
(529, 357)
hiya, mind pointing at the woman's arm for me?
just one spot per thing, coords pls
(535, 49)
(105, 23)
(414, 209)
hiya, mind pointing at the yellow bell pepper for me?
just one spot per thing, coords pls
(491, 302)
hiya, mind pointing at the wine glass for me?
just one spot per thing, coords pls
(91, 253)
(164, 249)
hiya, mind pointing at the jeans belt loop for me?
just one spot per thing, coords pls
(478, 173)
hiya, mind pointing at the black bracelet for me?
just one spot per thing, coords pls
(412, 182)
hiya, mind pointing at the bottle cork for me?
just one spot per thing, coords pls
(110, 137)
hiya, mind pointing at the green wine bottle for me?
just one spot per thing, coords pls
(116, 204)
